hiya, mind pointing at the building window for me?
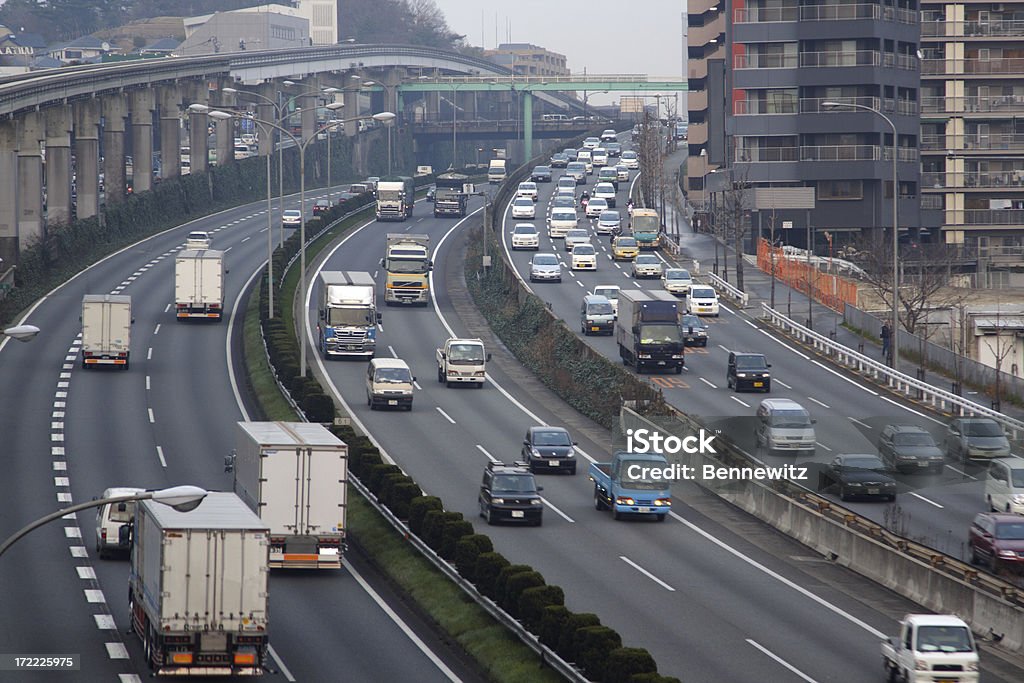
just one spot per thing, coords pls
(840, 189)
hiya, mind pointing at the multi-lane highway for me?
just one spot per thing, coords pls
(69, 433)
(709, 603)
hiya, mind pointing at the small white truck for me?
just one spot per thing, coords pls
(106, 330)
(462, 361)
(932, 648)
(199, 284)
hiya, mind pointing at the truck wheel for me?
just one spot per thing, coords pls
(598, 503)
(679, 369)
(661, 518)
(449, 384)
(616, 515)
(440, 375)
(489, 517)
(479, 385)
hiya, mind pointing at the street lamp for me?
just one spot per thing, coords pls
(22, 333)
(388, 119)
(894, 347)
(181, 498)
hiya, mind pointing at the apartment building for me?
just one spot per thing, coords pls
(972, 130)
(764, 76)
(525, 59)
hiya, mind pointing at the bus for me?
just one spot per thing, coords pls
(646, 227)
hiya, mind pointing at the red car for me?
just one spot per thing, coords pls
(997, 539)
(321, 206)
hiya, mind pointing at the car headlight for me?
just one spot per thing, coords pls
(624, 500)
(534, 452)
(972, 666)
(1018, 498)
(571, 453)
(741, 374)
(1008, 553)
(498, 501)
(854, 484)
(663, 502)
(536, 501)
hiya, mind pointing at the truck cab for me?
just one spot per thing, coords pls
(389, 384)
(395, 198)
(929, 648)
(630, 484)
(647, 331)
(348, 314)
(407, 264)
(462, 361)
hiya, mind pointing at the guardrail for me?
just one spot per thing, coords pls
(735, 293)
(937, 398)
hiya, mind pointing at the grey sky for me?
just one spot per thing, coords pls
(604, 36)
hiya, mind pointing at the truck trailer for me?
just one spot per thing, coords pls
(348, 314)
(407, 264)
(199, 284)
(198, 587)
(647, 331)
(294, 476)
(106, 330)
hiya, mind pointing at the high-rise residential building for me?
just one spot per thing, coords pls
(762, 76)
(972, 122)
(525, 59)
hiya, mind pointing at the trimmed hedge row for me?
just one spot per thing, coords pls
(519, 589)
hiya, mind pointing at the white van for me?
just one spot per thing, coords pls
(702, 300)
(389, 382)
(111, 519)
(561, 221)
(1004, 486)
(784, 426)
(599, 156)
(587, 159)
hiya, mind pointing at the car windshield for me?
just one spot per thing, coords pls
(119, 515)
(629, 155)
(913, 439)
(563, 203)
(625, 242)
(583, 250)
(646, 259)
(578, 233)
(750, 363)
(982, 428)
(1018, 478)
(597, 203)
(545, 260)
(563, 216)
(692, 321)
(1010, 531)
(554, 437)
(513, 483)
(600, 309)
(659, 334)
(675, 274)
(611, 216)
(523, 202)
(290, 213)
(943, 639)
(526, 230)
(527, 186)
(347, 316)
(791, 419)
(863, 462)
(466, 353)
(392, 376)
(702, 293)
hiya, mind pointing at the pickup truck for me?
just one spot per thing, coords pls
(933, 648)
(462, 361)
(630, 484)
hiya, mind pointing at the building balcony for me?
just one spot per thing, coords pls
(993, 216)
(974, 141)
(857, 58)
(1009, 66)
(969, 180)
(767, 154)
(813, 105)
(830, 12)
(697, 100)
(973, 104)
(750, 106)
(996, 28)
(771, 61)
(823, 153)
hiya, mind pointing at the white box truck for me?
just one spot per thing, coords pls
(199, 284)
(106, 330)
(197, 593)
(294, 476)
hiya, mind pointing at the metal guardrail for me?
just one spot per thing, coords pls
(547, 655)
(733, 292)
(937, 398)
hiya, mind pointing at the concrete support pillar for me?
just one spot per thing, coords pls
(31, 131)
(225, 130)
(87, 158)
(392, 78)
(350, 97)
(266, 112)
(58, 163)
(198, 136)
(170, 131)
(308, 104)
(115, 109)
(527, 126)
(8, 194)
(142, 105)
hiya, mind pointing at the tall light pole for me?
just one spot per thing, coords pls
(388, 119)
(181, 498)
(894, 347)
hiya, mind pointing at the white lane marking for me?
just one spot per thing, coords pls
(484, 451)
(845, 378)
(94, 595)
(78, 551)
(823, 446)
(448, 673)
(64, 498)
(823, 405)
(60, 466)
(56, 425)
(227, 346)
(86, 573)
(63, 385)
(132, 678)
(579, 283)
(782, 343)
(911, 410)
(961, 472)
(708, 383)
(781, 661)
(167, 308)
(862, 424)
(117, 650)
(646, 573)
(446, 415)
(246, 239)
(559, 512)
(417, 385)
(779, 381)
(739, 401)
(149, 353)
(56, 437)
(280, 664)
(61, 481)
(392, 350)
(147, 382)
(778, 577)
(157, 330)
(152, 419)
(160, 454)
(66, 375)
(57, 450)
(724, 349)
(931, 502)
(750, 323)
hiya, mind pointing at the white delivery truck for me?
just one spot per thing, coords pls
(931, 648)
(462, 361)
(106, 330)
(199, 284)
(496, 171)
(294, 476)
(198, 587)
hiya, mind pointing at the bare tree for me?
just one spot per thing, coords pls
(733, 219)
(1002, 349)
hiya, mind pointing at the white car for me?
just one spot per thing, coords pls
(563, 202)
(630, 160)
(566, 182)
(605, 191)
(545, 267)
(622, 172)
(599, 156)
(676, 281)
(291, 218)
(111, 518)
(610, 292)
(527, 189)
(525, 236)
(702, 300)
(576, 237)
(197, 239)
(523, 207)
(561, 221)
(608, 135)
(584, 157)
(584, 257)
(608, 221)
(566, 192)
(591, 143)
(595, 206)
(647, 265)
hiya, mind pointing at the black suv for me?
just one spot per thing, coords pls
(748, 370)
(549, 449)
(909, 448)
(541, 174)
(509, 493)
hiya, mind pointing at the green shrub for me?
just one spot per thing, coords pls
(501, 583)
(552, 623)
(514, 587)
(625, 662)
(488, 567)
(467, 550)
(418, 509)
(387, 486)
(361, 462)
(402, 495)
(533, 601)
(592, 644)
(433, 527)
(375, 476)
(451, 534)
(566, 641)
(318, 407)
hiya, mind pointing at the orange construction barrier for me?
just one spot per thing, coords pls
(831, 290)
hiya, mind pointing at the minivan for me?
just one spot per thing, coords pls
(1004, 487)
(561, 222)
(113, 522)
(784, 426)
(578, 171)
(596, 315)
(748, 370)
(389, 383)
(599, 156)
